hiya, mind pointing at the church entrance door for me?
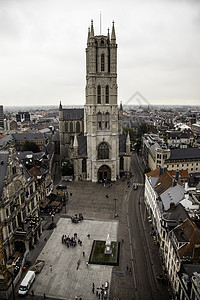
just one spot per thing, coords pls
(104, 172)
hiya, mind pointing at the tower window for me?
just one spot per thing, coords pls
(71, 126)
(107, 94)
(66, 126)
(99, 94)
(103, 151)
(107, 121)
(78, 127)
(102, 63)
(99, 121)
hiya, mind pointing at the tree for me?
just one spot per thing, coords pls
(31, 146)
(67, 168)
(131, 133)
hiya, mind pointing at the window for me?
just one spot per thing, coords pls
(99, 94)
(71, 126)
(84, 165)
(22, 198)
(103, 151)
(107, 94)
(121, 163)
(99, 121)
(66, 126)
(14, 171)
(78, 127)
(102, 63)
(107, 121)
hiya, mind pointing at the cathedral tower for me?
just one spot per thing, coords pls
(101, 114)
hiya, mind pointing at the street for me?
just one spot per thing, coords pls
(145, 282)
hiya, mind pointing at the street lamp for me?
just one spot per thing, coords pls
(116, 215)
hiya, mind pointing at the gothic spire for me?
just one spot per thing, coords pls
(92, 30)
(108, 34)
(113, 37)
(60, 106)
(88, 34)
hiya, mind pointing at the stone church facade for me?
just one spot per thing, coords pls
(92, 138)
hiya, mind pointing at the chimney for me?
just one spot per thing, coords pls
(177, 175)
(172, 205)
(174, 183)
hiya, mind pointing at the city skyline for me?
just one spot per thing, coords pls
(42, 53)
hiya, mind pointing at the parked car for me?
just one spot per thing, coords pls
(61, 187)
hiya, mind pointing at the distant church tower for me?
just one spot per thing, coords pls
(102, 118)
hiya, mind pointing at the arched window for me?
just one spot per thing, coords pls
(66, 126)
(78, 127)
(103, 151)
(121, 163)
(99, 94)
(71, 126)
(107, 94)
(99, 121)
(102, 63)
(107, 120)
(84, 166)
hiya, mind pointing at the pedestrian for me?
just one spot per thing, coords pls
(130, 270)
(32, 292)
(86, 263)
(97, 294)
(83, 254)
(127, 268)
(44, 296)
(93, 285)
(88, 235)
(51, 268)
(93, 290)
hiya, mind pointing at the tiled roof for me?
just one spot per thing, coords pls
(182, 173)
(29, 136)
(192, 234)
(188, 153)
(122, 143)
(73, 114)
(82, 145)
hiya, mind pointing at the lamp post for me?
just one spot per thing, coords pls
(115, 207)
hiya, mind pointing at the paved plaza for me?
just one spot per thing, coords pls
(64, 281)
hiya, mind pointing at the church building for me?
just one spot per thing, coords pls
(92, 138)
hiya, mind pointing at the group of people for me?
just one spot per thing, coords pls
(71, 241)
(77, 218)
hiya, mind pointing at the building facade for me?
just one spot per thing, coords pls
(102, 152)
(19, 205)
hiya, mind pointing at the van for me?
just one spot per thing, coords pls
(26, 283)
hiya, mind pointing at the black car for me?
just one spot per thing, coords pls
(61, 187)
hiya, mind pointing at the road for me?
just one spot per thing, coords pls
(145, 282)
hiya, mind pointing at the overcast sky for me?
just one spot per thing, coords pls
(42, 49)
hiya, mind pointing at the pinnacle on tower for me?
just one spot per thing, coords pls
(108, 34)
(92, 30)
(88, 34)
(113, 37)
(60, 106)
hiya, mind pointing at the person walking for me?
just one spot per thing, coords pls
(83, 254)
(51, 268)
